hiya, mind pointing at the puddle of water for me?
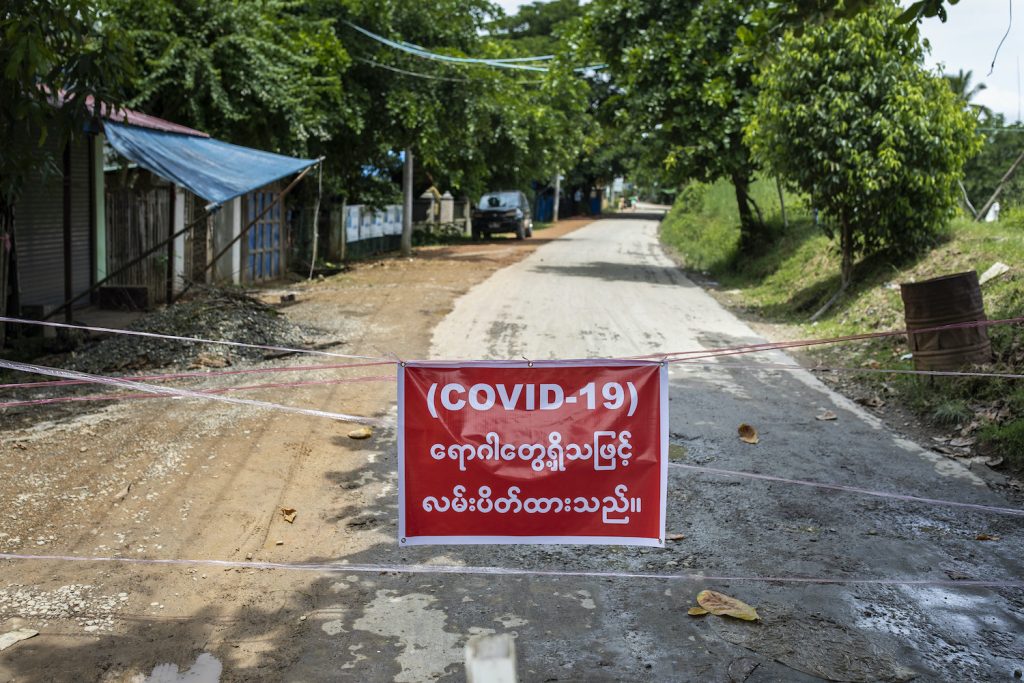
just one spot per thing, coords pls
(207, 669)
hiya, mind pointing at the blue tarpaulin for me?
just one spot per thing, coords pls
(214, 170)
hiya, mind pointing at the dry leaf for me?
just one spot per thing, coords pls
(826, 415)
(674, 537)
(748, 434)
(721, 604)
(360, 433)
(697, 611)
(123, 493)
(289, 514)
(870, 401)
(986, 537)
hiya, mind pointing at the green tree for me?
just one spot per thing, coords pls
(263, 73)
(58, 59)
(848, 115)
(683, 89)
(962, 86)
(472, 127)
(537, 27)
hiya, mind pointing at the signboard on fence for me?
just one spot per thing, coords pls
(548, 452)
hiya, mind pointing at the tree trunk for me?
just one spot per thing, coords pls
(782, 203)
(748, 225)
(983, 211)
(846, 270)
(846, 241)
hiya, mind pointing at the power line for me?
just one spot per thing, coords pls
(415, 74)
(499, 62)
(409, 48)
(432, 77)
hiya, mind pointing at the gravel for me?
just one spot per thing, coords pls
(78, 602)
(214, 314)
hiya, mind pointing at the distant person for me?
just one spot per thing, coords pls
(577, 201)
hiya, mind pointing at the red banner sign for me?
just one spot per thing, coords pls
(548, 452)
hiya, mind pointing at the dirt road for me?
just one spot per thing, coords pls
(208, 482)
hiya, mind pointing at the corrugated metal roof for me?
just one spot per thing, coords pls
(136, 118)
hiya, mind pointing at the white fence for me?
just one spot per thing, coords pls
(362, 223)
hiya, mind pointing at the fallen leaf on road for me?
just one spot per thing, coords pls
(674, 537)
(360, 433)
(123, 493)
(826, 415)
(748, 434)
(12, 637)
(289, 514)
(697, 611)
(209, 360)
(724, 605)
(986, 537)
(870, 401)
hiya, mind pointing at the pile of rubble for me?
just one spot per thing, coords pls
(213, 314)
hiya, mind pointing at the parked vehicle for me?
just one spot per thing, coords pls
(503, 211)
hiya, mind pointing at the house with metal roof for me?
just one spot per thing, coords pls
(175, 207)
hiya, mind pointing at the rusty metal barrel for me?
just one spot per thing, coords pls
(946, 300)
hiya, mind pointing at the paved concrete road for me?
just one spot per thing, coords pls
(608, 290)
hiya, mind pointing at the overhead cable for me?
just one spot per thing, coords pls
(505, 63)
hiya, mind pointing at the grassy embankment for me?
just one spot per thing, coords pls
(787, 280)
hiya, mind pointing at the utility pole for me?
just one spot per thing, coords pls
(407, 204)
(558, 189)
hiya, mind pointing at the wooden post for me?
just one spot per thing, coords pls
(983, 211)
(172, 200)
(68, 290)
(407, 204)
(244, 231)
(558, 191)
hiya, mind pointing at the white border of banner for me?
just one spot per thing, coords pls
(405, 541)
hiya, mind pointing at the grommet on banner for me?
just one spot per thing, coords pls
(529, 363)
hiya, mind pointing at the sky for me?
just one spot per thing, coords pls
(968, 41)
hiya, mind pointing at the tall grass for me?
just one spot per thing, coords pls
(797, 269)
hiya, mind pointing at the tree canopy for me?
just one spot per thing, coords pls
(682, 86)
(55, 57)
(847, 114)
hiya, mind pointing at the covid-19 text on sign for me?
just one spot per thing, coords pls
(545, 452)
